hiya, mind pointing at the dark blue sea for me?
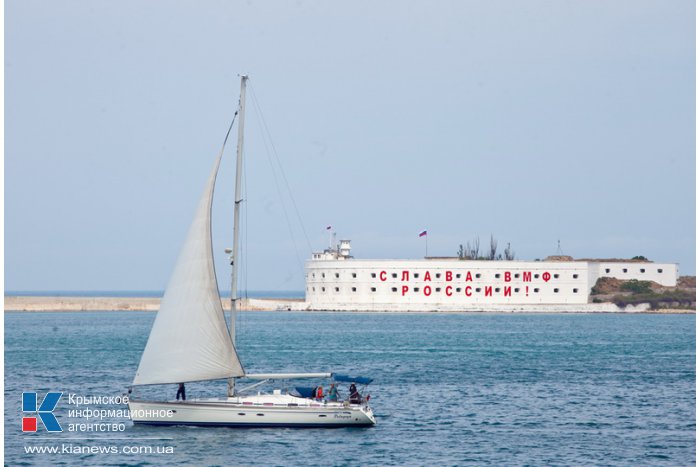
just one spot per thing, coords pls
(449, 389)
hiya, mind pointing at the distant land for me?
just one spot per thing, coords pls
(145, 293)
(607, 295)
(50, 303)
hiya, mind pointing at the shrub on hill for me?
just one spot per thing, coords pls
(635, 286)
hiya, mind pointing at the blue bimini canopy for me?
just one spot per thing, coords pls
(306, 392)
(351, 379)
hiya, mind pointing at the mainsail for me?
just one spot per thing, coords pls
(189, 340)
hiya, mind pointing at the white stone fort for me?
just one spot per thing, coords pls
(337, 281)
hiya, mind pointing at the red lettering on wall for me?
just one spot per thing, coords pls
(382, 276)
(404, 289)
(448, 276)
(427, 276)
(527, 276)
(469, 277)
(506, 276)
(506, 291)
(488, 291)
(404, 275)
(546, 276)
(468, 291)
(448, 290)
(427, 291)
(527, 290)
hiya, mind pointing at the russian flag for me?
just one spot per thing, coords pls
(423, 233)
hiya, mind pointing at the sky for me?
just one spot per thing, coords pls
(536, 122)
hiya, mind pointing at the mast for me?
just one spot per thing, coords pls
(236, 225)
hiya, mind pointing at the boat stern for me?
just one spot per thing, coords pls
(367, 410)
(363, 416)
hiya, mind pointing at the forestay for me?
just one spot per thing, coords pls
(189, 340)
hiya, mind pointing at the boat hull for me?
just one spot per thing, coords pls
(236, 413)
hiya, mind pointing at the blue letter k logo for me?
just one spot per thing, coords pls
(45, 411)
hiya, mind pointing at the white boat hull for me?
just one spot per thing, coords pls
(252, 411)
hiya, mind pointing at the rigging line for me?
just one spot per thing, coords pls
(284, 177)
(284, 207)
(245, 230)
(279, 192)
(221, 153)
(243, 259)
(228, 132)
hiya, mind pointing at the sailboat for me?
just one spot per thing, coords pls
(190, 341)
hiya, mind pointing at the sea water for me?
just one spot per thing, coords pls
(449, 389)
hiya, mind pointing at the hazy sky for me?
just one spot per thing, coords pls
(536, 121)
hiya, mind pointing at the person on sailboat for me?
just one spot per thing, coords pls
(319, 393)
(333, 393)
(355, 397)
(181, 391)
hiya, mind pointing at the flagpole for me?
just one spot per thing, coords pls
(424, 233)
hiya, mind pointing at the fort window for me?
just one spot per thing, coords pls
(337, 289)
(374, 275)
(642, 270)
(517, 275)
(438, 275)
(373, 289)
(416, 289)
(624, 270)
(556, 276)
(323, 274)
(537, 276)
(415, 275)
(438, 289)
(536, 290)
(517, 290)
(393, 274)
(393, 289)
(556, 290)
(458, 275)
(575, 290)
(498, 289)
(498, 276)
(313, 274)
(313, 289)
(323, 289)
(458, 289)
(478, 275)
(337, 275)
(354, 275)
(354, 289)
(607, 270)
(478, 289)
(575, 276)
(659, 271)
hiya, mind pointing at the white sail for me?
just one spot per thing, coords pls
(189, 340)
